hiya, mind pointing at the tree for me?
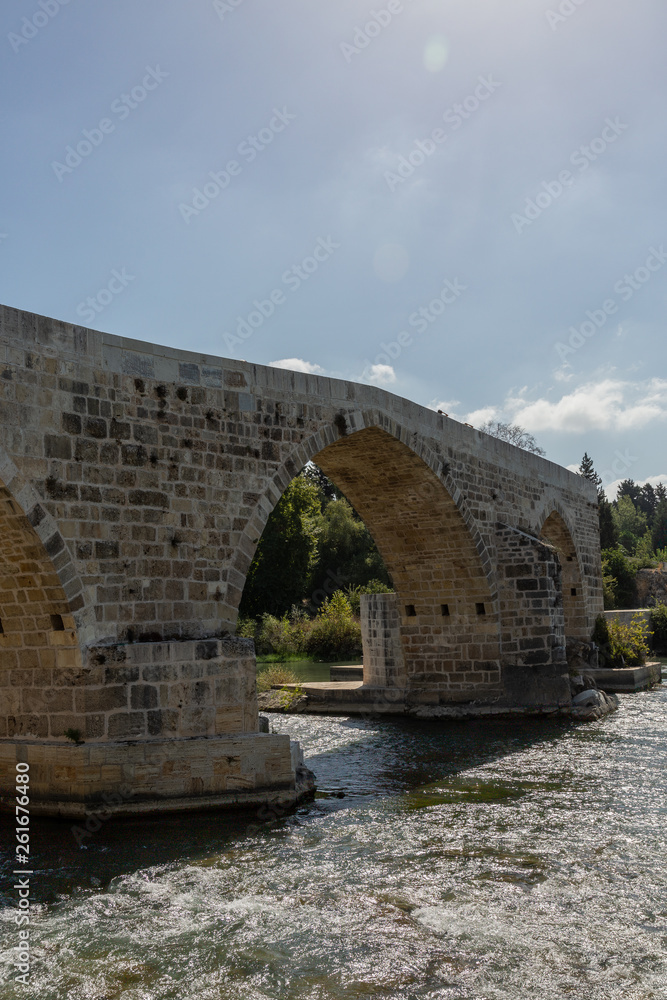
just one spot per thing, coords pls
(313, 474)
(647, 501)
(616, 567)
(346, 549)
(629, 522)
(279, 574)
(659, 529)
(587, 470)
(513, 434)
(629, 488)
(608, 535)
(314, 543)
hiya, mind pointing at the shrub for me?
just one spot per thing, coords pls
(627, 645)
(353, 594)
(601, 632)
(335, 634)
(616, 565)
(659, 626)
(246, 628)
(276, 673)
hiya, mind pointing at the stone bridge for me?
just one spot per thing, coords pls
(135, 482)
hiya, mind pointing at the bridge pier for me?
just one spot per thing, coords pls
(147, 727)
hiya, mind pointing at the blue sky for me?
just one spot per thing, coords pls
(462, 202)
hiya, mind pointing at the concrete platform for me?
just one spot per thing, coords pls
(627, 679)
(355, 698)
(352, 673)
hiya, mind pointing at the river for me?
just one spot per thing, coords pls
(521, 859)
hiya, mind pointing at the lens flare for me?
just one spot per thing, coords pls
(436, 53)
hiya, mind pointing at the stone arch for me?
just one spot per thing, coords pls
(329, 435)
(24, 502)
(41, 615)
(441, 570)
(556, 530)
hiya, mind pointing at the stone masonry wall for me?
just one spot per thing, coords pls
(136, 691)
(160, 468)
(384, 664)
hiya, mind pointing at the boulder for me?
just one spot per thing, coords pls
(593, 704)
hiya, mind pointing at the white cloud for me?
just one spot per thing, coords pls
(482, 416)
(381, 374)
(612, 489)
(447, 406)
(608, 405)
(298, 365)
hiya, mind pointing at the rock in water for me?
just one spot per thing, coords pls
(593, 704)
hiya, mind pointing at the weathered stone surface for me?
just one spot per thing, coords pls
(652, 586)
(593, 704)
(136, 480)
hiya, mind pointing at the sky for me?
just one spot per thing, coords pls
(461, 201)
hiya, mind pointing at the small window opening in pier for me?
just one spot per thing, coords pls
(444, 610)
(2, 631)
(410, 610)
(570, 558)
(573, 591)
(480, 609)
(57, 623)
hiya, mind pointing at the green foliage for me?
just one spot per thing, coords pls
(587, 470)
(628, 644)
(644, 555)
(629, 522)
(289, 698)
(335, 634)
(353, 594)
(346, 547)
(659, 526)
(284, 637)
(74, 735)
(659, 627)
(313, 542)
(609, 599)
(617, 568)
(327, 490)
(608, 536)
(601, 632)
(285, 552)
(275, 674)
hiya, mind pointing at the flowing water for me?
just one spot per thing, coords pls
(522, 859)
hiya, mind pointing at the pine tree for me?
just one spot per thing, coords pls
(608, 535)
(587, 470)
(659, 530)
(629, 488)
(647, 502)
